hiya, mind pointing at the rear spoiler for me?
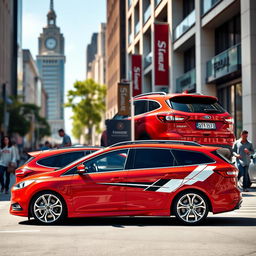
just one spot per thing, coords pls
(35, 153)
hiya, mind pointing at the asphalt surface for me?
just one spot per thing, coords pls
(232, 233)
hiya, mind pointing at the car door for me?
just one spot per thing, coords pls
(147, 174)
(100, 190)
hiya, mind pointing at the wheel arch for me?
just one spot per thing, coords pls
(191, 190)
(46, 191)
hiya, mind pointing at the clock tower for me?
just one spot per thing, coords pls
(50, 62)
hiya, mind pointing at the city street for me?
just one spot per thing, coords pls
(230, 233)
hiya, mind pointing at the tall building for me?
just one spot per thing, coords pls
(96, 68)
(211, 50)
(50, 62)
(91, 51)
(115, 52)
(10, 50)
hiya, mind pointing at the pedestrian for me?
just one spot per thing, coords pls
(242, 150)
(17, 153)
(66, 141)
(7, 159)
(47, 145)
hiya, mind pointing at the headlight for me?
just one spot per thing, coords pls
(23, 184)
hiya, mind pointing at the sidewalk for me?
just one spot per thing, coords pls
(4, 197)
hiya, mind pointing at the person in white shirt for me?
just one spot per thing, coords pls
(7, 158)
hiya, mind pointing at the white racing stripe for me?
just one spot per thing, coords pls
(201, 173)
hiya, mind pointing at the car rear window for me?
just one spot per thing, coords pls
(196, 105)
(187, 157)
(61, 160)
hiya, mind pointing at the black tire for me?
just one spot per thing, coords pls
(48, 207)
(191, 211)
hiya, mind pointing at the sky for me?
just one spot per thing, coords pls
(77, 19)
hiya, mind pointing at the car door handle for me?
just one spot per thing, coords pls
(117, 179)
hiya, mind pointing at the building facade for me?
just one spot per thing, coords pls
(10, 52)
(115, 52)
(50, 62)
(91, 51)
(210, 50)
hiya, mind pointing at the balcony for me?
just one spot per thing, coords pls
(185, 25)
(207, 5)
(186, 82)
(157, 2)
(148, 60)
(224, 64)
(137, 28)
(147, 14)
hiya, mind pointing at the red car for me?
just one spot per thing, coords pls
(189, 117)
(50, 160)
(154, 178)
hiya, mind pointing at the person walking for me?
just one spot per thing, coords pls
(242, 150)
(66, 141)
(7, 158)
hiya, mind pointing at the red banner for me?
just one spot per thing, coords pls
(161, 65)
(136, 75)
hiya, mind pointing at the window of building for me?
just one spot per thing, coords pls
(228, 34)
(186, 157)
(153, 158)
(189, 59)
(230, 96)
(188, 7)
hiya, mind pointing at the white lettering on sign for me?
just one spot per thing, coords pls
(136, 71)
(123, 96)
(161, 51)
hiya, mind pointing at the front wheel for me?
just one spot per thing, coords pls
(191, 208)
(48, 208)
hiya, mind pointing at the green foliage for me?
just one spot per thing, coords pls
(87, 101)
(21, 116)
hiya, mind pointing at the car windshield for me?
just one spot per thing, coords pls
(196, 105)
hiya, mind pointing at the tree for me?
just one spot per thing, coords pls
(87, 101)
(21, 116)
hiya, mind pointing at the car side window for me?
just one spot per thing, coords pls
(61, 160)
(140, 106)
(113, 161)
(156, 158)
(152, 105)
(186, 157)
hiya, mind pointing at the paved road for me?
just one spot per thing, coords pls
(231, 233)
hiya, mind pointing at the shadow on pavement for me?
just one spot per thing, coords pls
(122, 222)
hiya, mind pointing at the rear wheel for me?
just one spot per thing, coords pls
(48, 208)
(191, 208)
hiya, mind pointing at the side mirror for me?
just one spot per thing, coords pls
(81, 169)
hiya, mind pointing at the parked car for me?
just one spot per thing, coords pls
(189, 117)
(50, 160)
(141, 178)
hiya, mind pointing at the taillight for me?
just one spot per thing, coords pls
(228, 173)
(22, 172)
(229, 119)
(172, 118)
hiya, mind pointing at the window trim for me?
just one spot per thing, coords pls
(89, 173)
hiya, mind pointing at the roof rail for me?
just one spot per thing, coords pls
(150, 93)
(181, 142)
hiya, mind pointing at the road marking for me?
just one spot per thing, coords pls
(19, 231)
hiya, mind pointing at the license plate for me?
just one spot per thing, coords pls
(206, 126)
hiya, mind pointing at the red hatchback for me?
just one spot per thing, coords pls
(190, 117)
(50, 160)
(142, 178)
